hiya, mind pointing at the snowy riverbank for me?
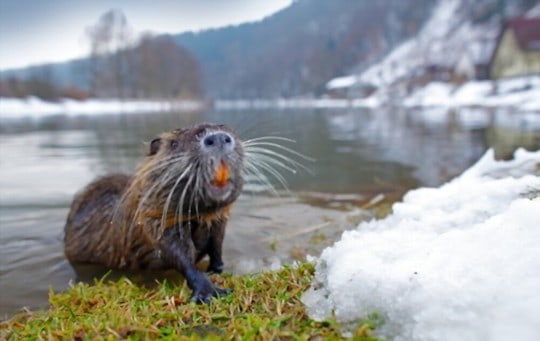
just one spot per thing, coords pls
(517, 95)
(35, 107)
(458, 262)
(521, 94)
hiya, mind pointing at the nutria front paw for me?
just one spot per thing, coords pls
(204, 295)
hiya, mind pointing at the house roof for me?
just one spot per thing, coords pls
(527, 32)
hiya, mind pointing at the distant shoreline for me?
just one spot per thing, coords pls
(520, 95)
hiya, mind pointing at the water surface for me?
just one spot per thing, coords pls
(358, 154)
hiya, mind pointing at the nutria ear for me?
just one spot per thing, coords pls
(154, 146)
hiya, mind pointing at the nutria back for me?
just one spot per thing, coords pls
(169, 214)
(93, 231)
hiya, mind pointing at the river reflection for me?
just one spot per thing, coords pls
(360, 152)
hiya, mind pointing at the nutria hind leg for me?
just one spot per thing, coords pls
(178, 250)
(215, 247)
(216, 265)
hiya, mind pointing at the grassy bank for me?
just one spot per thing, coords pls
(262, 306)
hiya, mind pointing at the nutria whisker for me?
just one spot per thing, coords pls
(268, 138)
(262, 165)
(279, 147)
(266, 155)
(277, 151)
(165, 211)
(195, 195)
(252, 169)
(161, 182)
(147, 169)
(271, 156)
(267, 141)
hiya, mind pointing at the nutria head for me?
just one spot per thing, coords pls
(191, 171)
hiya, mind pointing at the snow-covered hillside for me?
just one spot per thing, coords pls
(422, 71)
(443, 40)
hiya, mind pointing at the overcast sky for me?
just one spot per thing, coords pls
(38, 31)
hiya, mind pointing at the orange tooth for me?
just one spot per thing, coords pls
(222, 175)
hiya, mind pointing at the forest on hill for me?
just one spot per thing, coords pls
(297, 50)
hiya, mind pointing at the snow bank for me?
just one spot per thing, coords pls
(522, 94)
(459, 262)
(35, 107)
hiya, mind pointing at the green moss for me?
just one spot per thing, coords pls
(262, 306)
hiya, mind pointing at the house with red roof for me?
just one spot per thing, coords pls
(517, 52)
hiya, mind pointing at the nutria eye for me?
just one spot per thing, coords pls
(174, 144)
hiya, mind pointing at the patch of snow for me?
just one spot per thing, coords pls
(470, 93)
(35, 107)
(522, 94)
(434, 94)
(341, 82)
(391, 68)
(458, 262)
(533, 12)
(533, 104)
(517, 84)
(441, 41)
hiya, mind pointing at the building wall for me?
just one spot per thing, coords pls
(511, 61)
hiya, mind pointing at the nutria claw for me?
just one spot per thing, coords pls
(205, 295)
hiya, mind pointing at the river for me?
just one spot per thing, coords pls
(358, 154)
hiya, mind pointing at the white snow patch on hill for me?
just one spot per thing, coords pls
(441, 41)
(341, 82)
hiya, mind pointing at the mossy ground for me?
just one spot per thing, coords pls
(263, 306)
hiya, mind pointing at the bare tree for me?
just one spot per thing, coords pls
(110, 40)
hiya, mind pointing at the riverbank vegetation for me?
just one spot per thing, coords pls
(262, 306)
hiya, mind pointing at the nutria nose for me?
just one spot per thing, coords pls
(218, 141)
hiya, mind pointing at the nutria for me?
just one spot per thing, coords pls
(171, 213)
